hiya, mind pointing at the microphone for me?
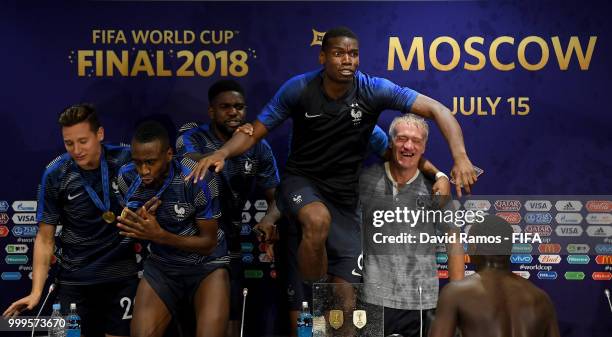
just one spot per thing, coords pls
(245, 292)
(607, 292)
(51, 288)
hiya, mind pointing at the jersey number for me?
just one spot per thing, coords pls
(126, 303)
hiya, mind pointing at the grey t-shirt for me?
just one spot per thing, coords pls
(392, 276)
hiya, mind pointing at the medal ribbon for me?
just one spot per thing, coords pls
(103, 206)
(136, 183)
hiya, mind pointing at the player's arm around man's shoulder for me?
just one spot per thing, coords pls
(463, 170)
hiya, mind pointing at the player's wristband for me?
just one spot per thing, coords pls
(440, 175)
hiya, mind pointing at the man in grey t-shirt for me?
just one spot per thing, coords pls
(403, 276)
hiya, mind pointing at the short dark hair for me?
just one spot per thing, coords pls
(492, 225)
(337, 32)
(149, 131)
(223, 86)
(78, 113)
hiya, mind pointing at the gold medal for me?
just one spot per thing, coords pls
(124, 212)
(108, 216)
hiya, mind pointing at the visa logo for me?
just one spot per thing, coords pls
(547, 275)
(24, 218)
(521, 258)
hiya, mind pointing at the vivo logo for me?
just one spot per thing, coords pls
(521, 258)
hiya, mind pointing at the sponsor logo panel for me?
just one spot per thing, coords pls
(538, 205)
(547, 275)
(574, 275)
(568, 218)
(537, 218)
(508, 205)
(25, 205)
(549, 259)
(568, 206)
(578, 248)
(602, 276)
(599, 206)
(578, 259)
(510, 217)
(521, 258)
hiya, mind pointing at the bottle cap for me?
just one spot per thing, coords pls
(72, 306)
(57, 306)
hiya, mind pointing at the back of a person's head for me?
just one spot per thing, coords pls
(484, 233)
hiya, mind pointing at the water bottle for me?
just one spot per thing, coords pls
(73, 322)
(304, 322)
(57, 329)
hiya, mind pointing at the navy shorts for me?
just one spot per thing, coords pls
(343, 241)
(105, 308)
(175, 285)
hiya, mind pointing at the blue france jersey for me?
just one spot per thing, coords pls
(183, 203)
(89, 250)
(256, 167)
(330, 137)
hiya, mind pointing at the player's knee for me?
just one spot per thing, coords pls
(315, 225)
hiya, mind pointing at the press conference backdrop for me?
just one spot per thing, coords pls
(528, 82)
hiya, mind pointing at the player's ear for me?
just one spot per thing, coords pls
(211, 112)
(321, 57)
(169, 153)
(100, 134)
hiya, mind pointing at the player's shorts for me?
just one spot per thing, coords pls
(105, 308)
(236, 287)
(407, 322)
(343, 241)
(175, 284)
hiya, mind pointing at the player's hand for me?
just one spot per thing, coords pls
(442, 186)
(27, 303)
(216, 160)
(246, 128)
(270, 236)
(464, 175)
(150, 206)
(142, 225)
